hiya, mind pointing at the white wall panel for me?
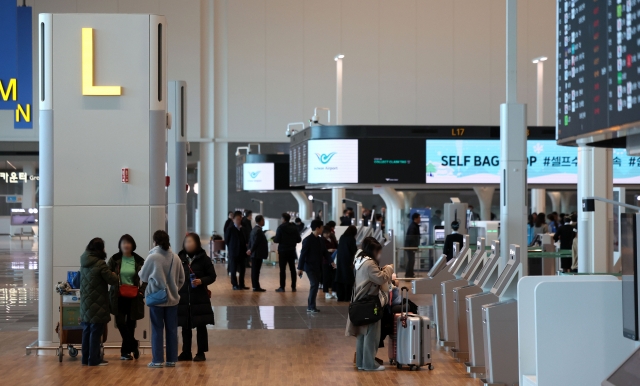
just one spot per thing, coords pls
(360, 69)
(321, 44)
(398, 43)
(115, 63)
(434, 62)
(97, 6)
(141, 6)
(498, 59)
(284, 66)
(246, 75)
(471, 65)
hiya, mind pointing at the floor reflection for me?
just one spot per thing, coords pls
(278, 317)
(18, 284)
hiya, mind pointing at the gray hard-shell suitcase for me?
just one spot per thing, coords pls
(413, 339)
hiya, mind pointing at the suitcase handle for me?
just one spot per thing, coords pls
(404, 308)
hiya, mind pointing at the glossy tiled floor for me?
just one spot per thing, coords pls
(259, 339)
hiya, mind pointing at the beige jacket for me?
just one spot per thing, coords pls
(367, 272)
(574, 254)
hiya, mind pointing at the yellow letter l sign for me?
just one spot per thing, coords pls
(87, 69)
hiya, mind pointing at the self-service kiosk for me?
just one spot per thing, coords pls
(472, 298)
(449, 330)
(468, 277)
(500, 325)
(441, 271)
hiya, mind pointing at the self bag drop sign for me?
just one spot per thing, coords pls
(477, 161)
(16, 82)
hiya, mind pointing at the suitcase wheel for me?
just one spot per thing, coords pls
(392, 362)
(414, 368)
(430, 366)
(73, 352)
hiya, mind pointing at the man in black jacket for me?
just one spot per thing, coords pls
(311, 256)
(565, 234)
(258, 250)
(287, 237)
(454, 237)
(412, 240)
(237, 249)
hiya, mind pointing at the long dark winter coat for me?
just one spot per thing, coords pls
(195, 302)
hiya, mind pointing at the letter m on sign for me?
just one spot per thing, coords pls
(16, 65)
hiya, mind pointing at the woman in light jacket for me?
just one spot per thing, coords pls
(162, 270)
(370, 280)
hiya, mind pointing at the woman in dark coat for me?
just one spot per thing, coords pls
(194, 309)
(127, 264)
(344, 263)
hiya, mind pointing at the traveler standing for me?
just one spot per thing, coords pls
(95, 276)
(565, 235)
(574, 250)
(553, 224)
(126, 305)
(194, 309)
(311, 257)
(329, 265)
(345, 220)
(374, 281)
(299, 224)
(344, 263)
(540, 227)
(530, 227)
(246, 230)
(258, 250)
(453, 237)
(237, 250)
(163, 273)
(412, 240)
(287, 237)
(228, 223)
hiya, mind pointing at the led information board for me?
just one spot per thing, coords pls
(597, 65)
(478, 162)
(258, 176)
(333, 161)
(390, 161)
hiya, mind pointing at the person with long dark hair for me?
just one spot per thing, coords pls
(127, 305)
(371, 279)
(95, 277)
(344, 263)
(163, 272)
(194, 309)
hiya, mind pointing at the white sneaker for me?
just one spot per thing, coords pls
(379, 368)
(328, 296)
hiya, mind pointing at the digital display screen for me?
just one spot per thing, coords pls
(332, 161)
(390, 161)
(597, 65)
(628, 254)
(478, 161)
(24, 219)
(258, 176)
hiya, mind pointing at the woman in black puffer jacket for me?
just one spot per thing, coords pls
(194, 309)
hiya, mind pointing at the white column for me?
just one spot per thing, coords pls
(337, 195)
(394, 202)
(538, 201)
(566, 200)
(206, 190)
(485, 196)
(513, 130)
(304, 205)
(555, 201)
(339, 59)
(595, 178)
(221, 186)
(408, 197)
(29, 189)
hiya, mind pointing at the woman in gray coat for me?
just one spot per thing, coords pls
(370, 280)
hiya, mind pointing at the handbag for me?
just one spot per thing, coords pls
(160, 297)
(366, 310)
(126, 290)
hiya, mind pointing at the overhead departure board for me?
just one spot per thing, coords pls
(597, 65)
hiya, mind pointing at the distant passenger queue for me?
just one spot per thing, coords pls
(175, 290)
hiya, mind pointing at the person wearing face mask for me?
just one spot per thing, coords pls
(127, 303)
(329, 265)
(371, 279)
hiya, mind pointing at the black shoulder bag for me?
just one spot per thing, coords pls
(365, 310)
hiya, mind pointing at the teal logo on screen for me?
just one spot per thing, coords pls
(254, 174)
(325, 158)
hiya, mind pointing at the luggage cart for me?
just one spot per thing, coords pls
(69, 327)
